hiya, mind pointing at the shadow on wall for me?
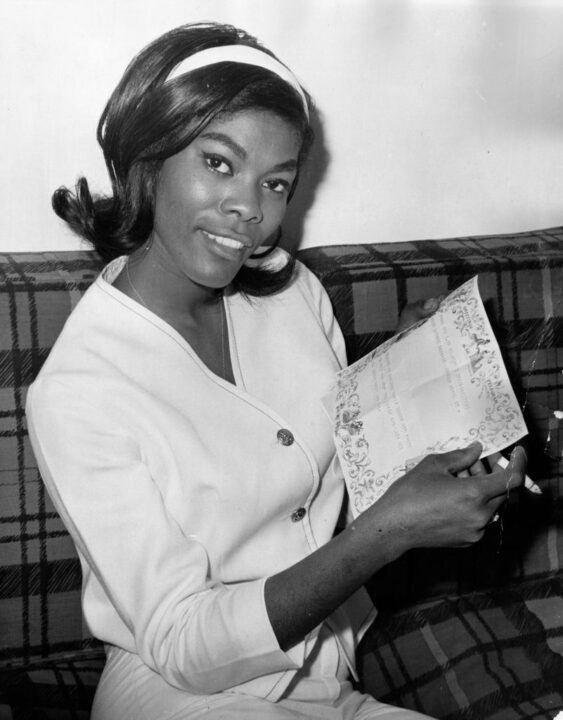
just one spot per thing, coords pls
(311, 177)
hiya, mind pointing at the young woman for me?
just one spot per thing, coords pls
(177, 421)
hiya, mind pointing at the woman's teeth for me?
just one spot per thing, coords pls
(226, 241)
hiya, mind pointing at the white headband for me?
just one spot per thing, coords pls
(240, 54)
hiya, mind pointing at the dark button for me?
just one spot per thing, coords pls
(285, 437)
(298, 514)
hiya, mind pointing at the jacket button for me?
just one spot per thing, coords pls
(298, 514)
(285, 437)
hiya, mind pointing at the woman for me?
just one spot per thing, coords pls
(177, 421)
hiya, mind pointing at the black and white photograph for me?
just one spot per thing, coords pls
(281, 360)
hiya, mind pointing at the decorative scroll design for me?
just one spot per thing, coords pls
(497, 427)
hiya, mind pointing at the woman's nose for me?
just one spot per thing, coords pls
(243, 200)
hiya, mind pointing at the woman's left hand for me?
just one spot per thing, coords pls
(415, 311)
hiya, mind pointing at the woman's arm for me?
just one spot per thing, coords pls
(428, 507)
(445, 501)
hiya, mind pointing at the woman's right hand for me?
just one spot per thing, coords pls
(431, 506)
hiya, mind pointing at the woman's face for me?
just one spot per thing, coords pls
(223, 196)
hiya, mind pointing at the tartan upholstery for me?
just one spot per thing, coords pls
(49, 664)
(40, 615)
(490, 655)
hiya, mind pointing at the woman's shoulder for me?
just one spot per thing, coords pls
(88, 344)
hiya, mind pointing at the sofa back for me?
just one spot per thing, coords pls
(521, 281)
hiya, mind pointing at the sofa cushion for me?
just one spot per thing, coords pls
(490, 655)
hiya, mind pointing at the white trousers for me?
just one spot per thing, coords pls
(129, 690)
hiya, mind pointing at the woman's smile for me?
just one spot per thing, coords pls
(225, 241)
(234, 245)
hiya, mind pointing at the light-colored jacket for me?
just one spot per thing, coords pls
(177, 487)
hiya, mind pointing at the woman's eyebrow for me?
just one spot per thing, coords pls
(226, 140)
(241, 152)
(287, 165)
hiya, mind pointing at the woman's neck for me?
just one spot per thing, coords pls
(153, 282)
(196, 313)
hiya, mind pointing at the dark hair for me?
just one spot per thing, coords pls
(147, 120)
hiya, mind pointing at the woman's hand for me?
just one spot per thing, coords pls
(447, 500)
(430, 506)
(419, 310)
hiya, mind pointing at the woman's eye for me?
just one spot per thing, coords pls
(218, 164)
(277, 186)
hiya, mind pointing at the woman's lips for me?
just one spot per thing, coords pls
(225, 241)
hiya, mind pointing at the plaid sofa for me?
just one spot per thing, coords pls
(472, 633)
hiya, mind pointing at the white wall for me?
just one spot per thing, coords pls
(440, 118)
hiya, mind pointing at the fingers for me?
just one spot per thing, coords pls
(514, 475)
(445, 511)
(459, 461)
(418, 310)
(431, 305)
(465, 463)
(477, 468)
(502, 481)
(493, 459)
(517, 466)
(528, 482)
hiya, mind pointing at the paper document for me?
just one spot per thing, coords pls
(437, 386)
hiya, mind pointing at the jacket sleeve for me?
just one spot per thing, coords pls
(147, 586)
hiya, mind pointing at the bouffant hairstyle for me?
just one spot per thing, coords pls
(149, 118)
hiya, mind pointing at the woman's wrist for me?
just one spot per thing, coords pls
(305, 594)
(377, 536)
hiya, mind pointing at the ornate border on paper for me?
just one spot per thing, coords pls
(499, 427)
